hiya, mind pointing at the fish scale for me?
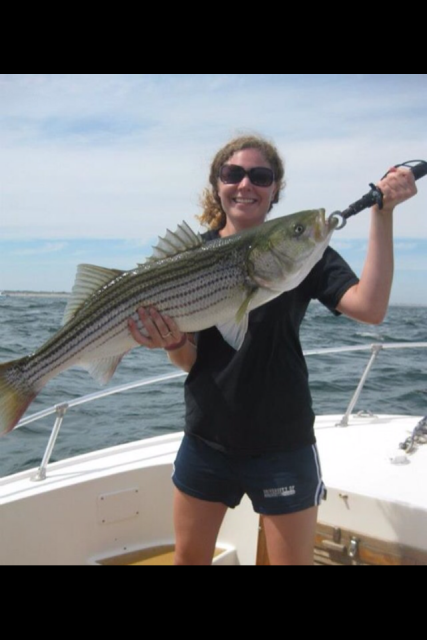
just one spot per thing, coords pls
(105, 317)
(198, 284)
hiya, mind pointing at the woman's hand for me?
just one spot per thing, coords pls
(397, 186)
(163, 332)
(368, 300)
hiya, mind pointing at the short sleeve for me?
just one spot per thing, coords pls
(333, 277)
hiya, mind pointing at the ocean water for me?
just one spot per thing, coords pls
(396, 384)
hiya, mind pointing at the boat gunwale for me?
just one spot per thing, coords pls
(375, 346)
(60, 410)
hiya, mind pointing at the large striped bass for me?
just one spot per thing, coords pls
(198, 284)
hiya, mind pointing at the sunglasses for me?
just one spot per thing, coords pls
(234, 173)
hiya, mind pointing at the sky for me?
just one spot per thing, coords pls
(94, 167)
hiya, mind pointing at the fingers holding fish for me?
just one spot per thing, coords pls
(162, 330)
(167, 330)
(397, 186)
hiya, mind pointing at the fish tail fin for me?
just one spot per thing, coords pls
(15, 394)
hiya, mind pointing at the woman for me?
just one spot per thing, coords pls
(249, 420)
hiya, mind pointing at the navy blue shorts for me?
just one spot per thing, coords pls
(276, 483)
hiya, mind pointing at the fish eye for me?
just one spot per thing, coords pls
(298, 229)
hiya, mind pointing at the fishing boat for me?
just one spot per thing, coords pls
(113, 506)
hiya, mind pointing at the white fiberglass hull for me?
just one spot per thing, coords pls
(119, 500)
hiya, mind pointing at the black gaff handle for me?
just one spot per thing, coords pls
(419, 170)
(375, 195)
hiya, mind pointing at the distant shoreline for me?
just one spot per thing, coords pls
(65, 294)
(34, 294)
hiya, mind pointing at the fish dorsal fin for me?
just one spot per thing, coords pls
(89, 278)
(174, 242)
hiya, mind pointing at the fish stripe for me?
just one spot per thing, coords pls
(199, 287)
(206, 287)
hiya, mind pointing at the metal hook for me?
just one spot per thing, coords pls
(337, 214)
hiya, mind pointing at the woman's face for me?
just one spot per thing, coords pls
(245, 204)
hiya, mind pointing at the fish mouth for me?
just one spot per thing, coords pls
(336, 220)
(323, 227)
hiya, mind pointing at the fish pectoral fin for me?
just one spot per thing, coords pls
(89, 278)
(243, 310)
(102, 370)
(234, 333)
(263, 282)
(174, 242)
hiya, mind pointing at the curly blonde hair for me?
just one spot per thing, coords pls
(213, 215)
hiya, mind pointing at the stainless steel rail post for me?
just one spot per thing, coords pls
(61, 410)
(376, 348)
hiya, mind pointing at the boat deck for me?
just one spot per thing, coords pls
(372, 484)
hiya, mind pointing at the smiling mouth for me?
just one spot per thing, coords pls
(244, 200)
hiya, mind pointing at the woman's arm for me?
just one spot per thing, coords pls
(163, 333)
(368, 300)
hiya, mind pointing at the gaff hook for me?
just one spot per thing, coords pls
(375, 195)
(337, 215)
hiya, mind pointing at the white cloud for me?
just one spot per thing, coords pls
(49, 247)
(127, 155)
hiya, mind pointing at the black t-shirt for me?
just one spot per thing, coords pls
(257, 399)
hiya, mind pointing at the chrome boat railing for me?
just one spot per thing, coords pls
(60, 410)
